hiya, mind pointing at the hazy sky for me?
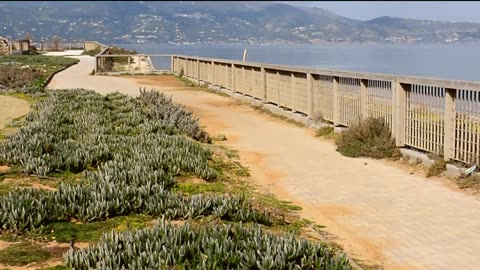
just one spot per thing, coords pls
(365, 10)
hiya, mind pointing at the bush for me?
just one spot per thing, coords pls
(181, 73)
(324, 131)
(238, 246)
(92, 52)
(437, 168)
(368, 138)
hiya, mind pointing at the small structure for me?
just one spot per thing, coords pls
(5, 48)
(25, 46)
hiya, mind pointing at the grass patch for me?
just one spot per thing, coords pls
(56, 267)
(262, 109)
(471, 182)
(23, 253)
(324, 131)
(368, 138)
(220, 138)
(199, 188)
(437, 168)
(64, 232)
(271, 201)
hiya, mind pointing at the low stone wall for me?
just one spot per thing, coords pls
(4, 46)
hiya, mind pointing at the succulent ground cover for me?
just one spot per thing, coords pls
(115, 161)
(28, 73)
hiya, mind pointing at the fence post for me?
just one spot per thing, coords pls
(309, 96)
(211, 72)
(129, 64)
(264, 84)
(172, 63)
(278, 89)
(364, 99)
(244, 76)
(398, 113)
(336, 101)
(450, 115)
(198, 70)
(233, 78)
(292, 91)
(96, 64)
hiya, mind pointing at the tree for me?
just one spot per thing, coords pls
(55, 43)
(28, 36)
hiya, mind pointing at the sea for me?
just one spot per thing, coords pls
(446, 61)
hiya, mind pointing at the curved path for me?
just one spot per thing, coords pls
(378, 212)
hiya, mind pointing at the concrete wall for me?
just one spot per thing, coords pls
(432, 115)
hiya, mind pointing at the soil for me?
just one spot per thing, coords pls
(11, 108)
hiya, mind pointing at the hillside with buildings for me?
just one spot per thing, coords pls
(217, 22)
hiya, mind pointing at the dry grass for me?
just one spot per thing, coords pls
(369, 138)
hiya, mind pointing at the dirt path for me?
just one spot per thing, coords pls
(378, 212)
(11, 108)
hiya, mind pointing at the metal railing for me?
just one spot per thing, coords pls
(434, 115)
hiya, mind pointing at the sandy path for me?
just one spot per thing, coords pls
(11, 108)
(378, 212)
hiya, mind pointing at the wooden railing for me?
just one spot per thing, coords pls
(434, 115)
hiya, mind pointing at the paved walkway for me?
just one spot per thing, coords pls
(379, 213)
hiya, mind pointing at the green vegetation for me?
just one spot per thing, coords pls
(472, 182)
(92, 52)
(64, 232)
(368, 138)
(204, 247)
(112, 165)
(28, 73)
(23, 253)
(437, 168)
(324, 131)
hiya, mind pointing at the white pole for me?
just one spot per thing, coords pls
(244, 54)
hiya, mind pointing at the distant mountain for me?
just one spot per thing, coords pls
(189, 22)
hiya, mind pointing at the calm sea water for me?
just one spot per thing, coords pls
(449, 61)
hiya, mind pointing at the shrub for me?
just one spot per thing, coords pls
(181, 73)
(437, 168)
(324, 131)
(238, 246)
(472, 181)
(368, 138)
(92, 52)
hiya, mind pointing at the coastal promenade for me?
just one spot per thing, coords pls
(378, 212)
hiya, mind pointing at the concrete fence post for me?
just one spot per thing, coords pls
(309, 95)
(278, 89)
(264, 84)
(96, 64)
(292, 92)
(198, 69)
(450, 115)
(129, 63)
(244, 80)
(211, 73)
(336, 101)
(233, 78)
(398, 113)
(172, 64)
(364, 99)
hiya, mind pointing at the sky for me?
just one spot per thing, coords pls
(432, 10)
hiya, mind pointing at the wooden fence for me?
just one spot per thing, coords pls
(434, 115)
